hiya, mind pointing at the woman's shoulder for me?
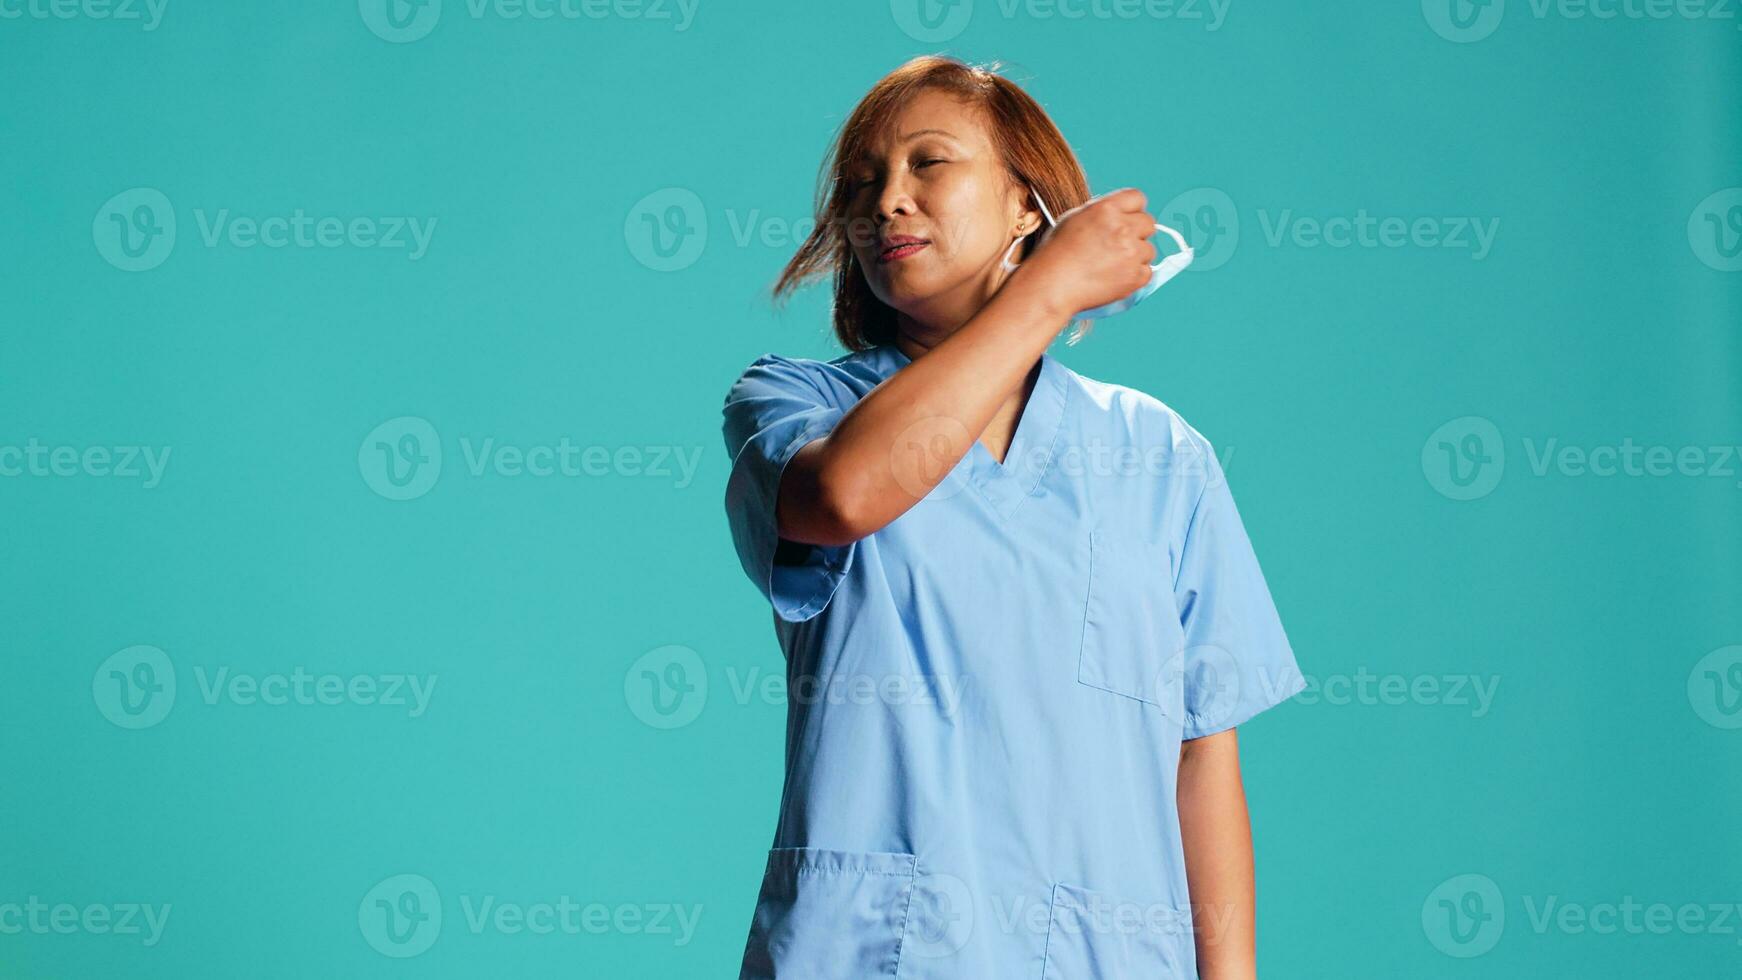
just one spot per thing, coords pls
(1137, 417)
(839, 380)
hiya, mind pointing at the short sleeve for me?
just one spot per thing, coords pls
(770, 413)
(1238, 661)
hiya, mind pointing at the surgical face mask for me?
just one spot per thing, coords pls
(1159, 273)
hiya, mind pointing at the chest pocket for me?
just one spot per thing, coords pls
(1132, 640)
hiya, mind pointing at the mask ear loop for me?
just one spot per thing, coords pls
(1178, 239)
(1081, 327)
(1043, 210)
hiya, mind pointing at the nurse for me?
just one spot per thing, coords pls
(1021, 617)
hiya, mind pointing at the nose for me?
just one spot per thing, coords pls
(894, 199)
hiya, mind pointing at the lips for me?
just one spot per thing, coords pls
(897, 247)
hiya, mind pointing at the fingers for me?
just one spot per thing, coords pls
(1128, 199)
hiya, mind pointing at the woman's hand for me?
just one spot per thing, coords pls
(1099, 252)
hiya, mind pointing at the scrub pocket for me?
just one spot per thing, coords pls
(1092, 936)
(829, 915)
(1133, 643)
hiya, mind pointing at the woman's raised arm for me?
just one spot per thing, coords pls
(899, 441)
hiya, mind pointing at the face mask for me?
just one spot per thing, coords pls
(1159, 273)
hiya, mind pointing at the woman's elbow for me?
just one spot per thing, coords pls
(822, 503)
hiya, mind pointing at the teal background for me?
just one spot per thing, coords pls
(1600, 772)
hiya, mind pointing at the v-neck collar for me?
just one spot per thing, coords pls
(1004, 486)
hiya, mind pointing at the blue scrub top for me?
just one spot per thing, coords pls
(986, 698)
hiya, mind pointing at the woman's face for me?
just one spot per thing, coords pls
(934, 175)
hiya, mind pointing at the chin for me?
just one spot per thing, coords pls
(903, 290)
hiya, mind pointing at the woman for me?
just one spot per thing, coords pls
(1020, 613)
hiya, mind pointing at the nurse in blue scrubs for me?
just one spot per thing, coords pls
(1021, 617)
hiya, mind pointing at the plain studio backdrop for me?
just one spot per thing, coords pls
(369, 607)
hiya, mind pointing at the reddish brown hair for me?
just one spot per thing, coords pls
(1033, 150)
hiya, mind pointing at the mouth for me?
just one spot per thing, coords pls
(897, 250)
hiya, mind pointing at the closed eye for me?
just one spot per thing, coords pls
(853, 184)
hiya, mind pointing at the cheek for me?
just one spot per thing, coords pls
(962, 224)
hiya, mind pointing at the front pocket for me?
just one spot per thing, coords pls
(1132, 638)
(1091, 936)
(823, 915)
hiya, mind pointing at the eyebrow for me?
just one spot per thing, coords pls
(922, 132)
(865, 155)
